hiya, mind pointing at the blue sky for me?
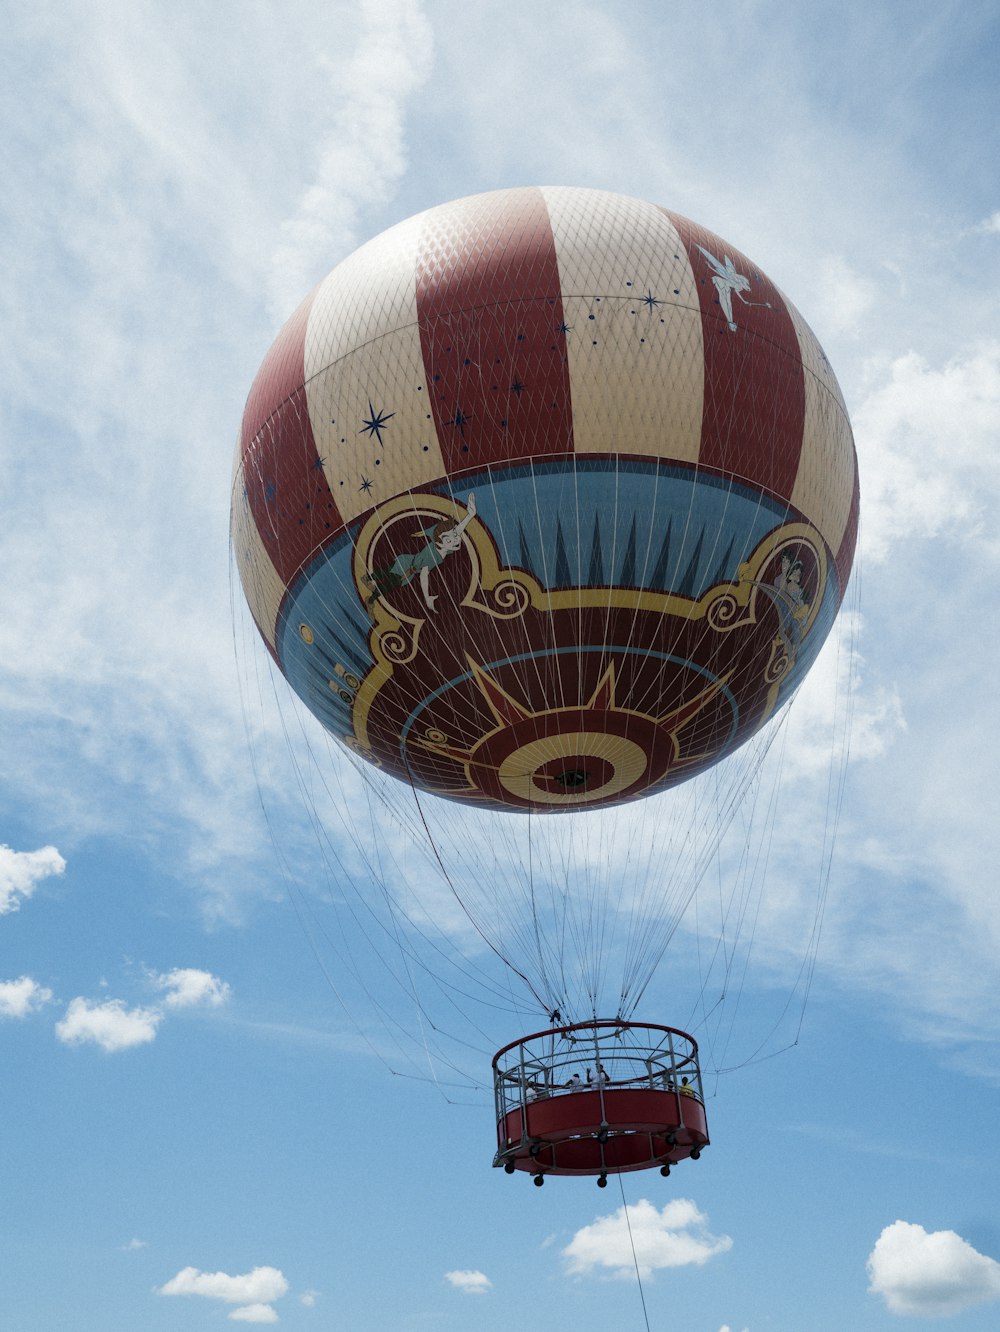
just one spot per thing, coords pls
(195, 1130)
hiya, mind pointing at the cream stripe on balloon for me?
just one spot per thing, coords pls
(369, 404)
(824, 484)
(635, 339)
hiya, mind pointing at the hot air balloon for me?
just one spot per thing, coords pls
(545, 501)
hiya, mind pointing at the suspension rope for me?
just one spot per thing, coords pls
(635, 1260)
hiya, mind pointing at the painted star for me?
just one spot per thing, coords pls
(318, 464)
(459, 420)
(366, 485)
(564, 327)
(517, 387)
(650, 300)
(375, 422)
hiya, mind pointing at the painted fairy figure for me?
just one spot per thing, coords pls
(443, 539)
(728, 282)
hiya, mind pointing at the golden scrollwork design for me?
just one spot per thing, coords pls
(723, 612)
(396, 645)
(780, 662)
(509, 597)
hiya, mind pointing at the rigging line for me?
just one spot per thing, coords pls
(278, 852)
(371, 789)
(643, 906)
(841, 783)
(698, 865)
(808, 962)
(458, 897)
(514, 933)
(748, 871)
(534, 914)
(635, 1260)
(756, 875)
(421, 1015)
(347, 960)
(756, 1057)
(375, 1005)
(749, 763)
(393, 907)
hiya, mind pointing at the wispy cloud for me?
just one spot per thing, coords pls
(989, 225)
(363, 154)
(925, 435)
(841, 296)
(168, 187)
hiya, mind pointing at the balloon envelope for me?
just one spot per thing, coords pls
(545, 499)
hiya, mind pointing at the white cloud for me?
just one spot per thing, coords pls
(841, 296)
(309, 1298)
(22, 871)
(676, 1236)
(930, 1274)
(110, 1025)
(259, 1287)
(363, 156)
(134, 1244)
(187, 986)
(20, 997)
(254, 1313)
(472, 1282)
(113, 1026)
(834, 707)
(926, 445)
(989, 224)
(130, 682)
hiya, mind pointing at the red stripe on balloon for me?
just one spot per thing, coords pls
(286, 488)
(490, 313)
(755, 400)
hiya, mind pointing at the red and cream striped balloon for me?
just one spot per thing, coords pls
(545, 498)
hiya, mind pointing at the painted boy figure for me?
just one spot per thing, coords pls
(444, 538)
